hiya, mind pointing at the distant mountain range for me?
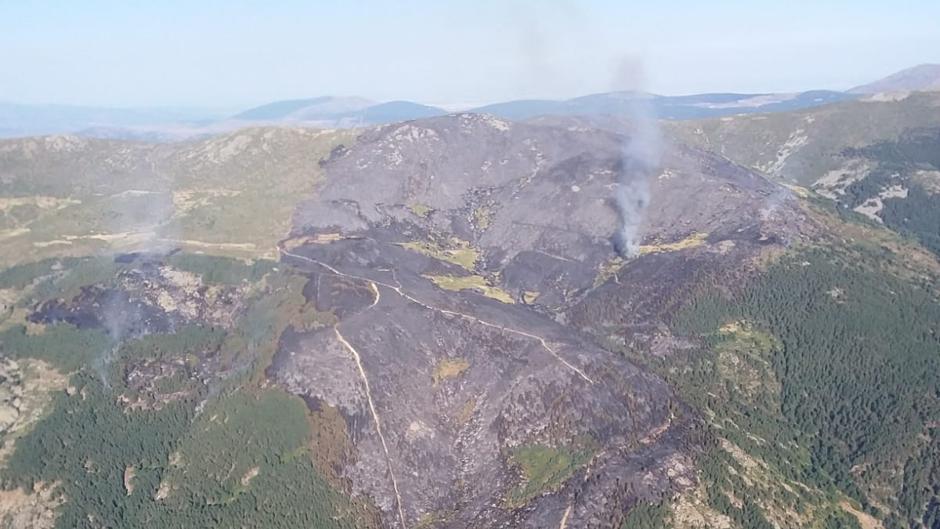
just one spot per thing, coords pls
(665, 107)
(345, 112)
(30, 120)
(922, 78)
(350, 111)
(305, 109)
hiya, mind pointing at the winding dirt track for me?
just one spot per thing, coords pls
(398, 290)
(374, 285)
(375, 415)
(564, 518)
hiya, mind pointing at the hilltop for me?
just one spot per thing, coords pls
(877, 157)
(921, 78)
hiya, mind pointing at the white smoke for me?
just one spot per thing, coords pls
(640, 157)
(146, 216)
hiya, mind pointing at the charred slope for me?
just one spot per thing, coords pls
(531, 203)
(452, 252)
(441, 390)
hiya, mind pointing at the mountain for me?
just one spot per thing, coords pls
(523, 109)
(330, 111)
(876, 157)
(31, 120)
(157, 125)
(315, 109)
(338, 111)
(873, 163)
(924, 77)
(395, 111)
(169, 124)
(665, 107)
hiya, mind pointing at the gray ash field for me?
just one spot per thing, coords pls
(459, 380)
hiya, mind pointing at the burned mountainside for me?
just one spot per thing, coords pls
(469, 264)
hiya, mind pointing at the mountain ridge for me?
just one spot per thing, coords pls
(332, 111)
(923, 77)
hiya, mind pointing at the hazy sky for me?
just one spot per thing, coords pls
(237, 53)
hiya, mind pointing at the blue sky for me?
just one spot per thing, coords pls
(238, 53)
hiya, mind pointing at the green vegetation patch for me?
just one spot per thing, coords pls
(482, 217)
(744, 359)
(188, 339)
(222, 270)
(279, 305)
(422, 210)
(454, 251)
(251, 450)
(431, 519)
(449, 368)
(222, 195)
(57, 278)
(692, 241)
(66, 347)
(646, 515)
(473, 282)
(544, 469)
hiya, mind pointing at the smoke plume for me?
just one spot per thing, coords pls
(145, 216)
(640, 157)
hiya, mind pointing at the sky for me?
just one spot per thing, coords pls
(235, 54)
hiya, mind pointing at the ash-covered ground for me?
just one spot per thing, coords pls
(467, 261)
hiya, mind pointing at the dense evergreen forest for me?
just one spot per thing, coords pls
(917, 214)
(826, 370)
(188, 448)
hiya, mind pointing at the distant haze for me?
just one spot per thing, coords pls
(238, 54)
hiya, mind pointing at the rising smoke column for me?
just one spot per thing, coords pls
(640, 159)
(146, 214)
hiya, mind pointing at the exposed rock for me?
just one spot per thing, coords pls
(34, 509)
(26, 388)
